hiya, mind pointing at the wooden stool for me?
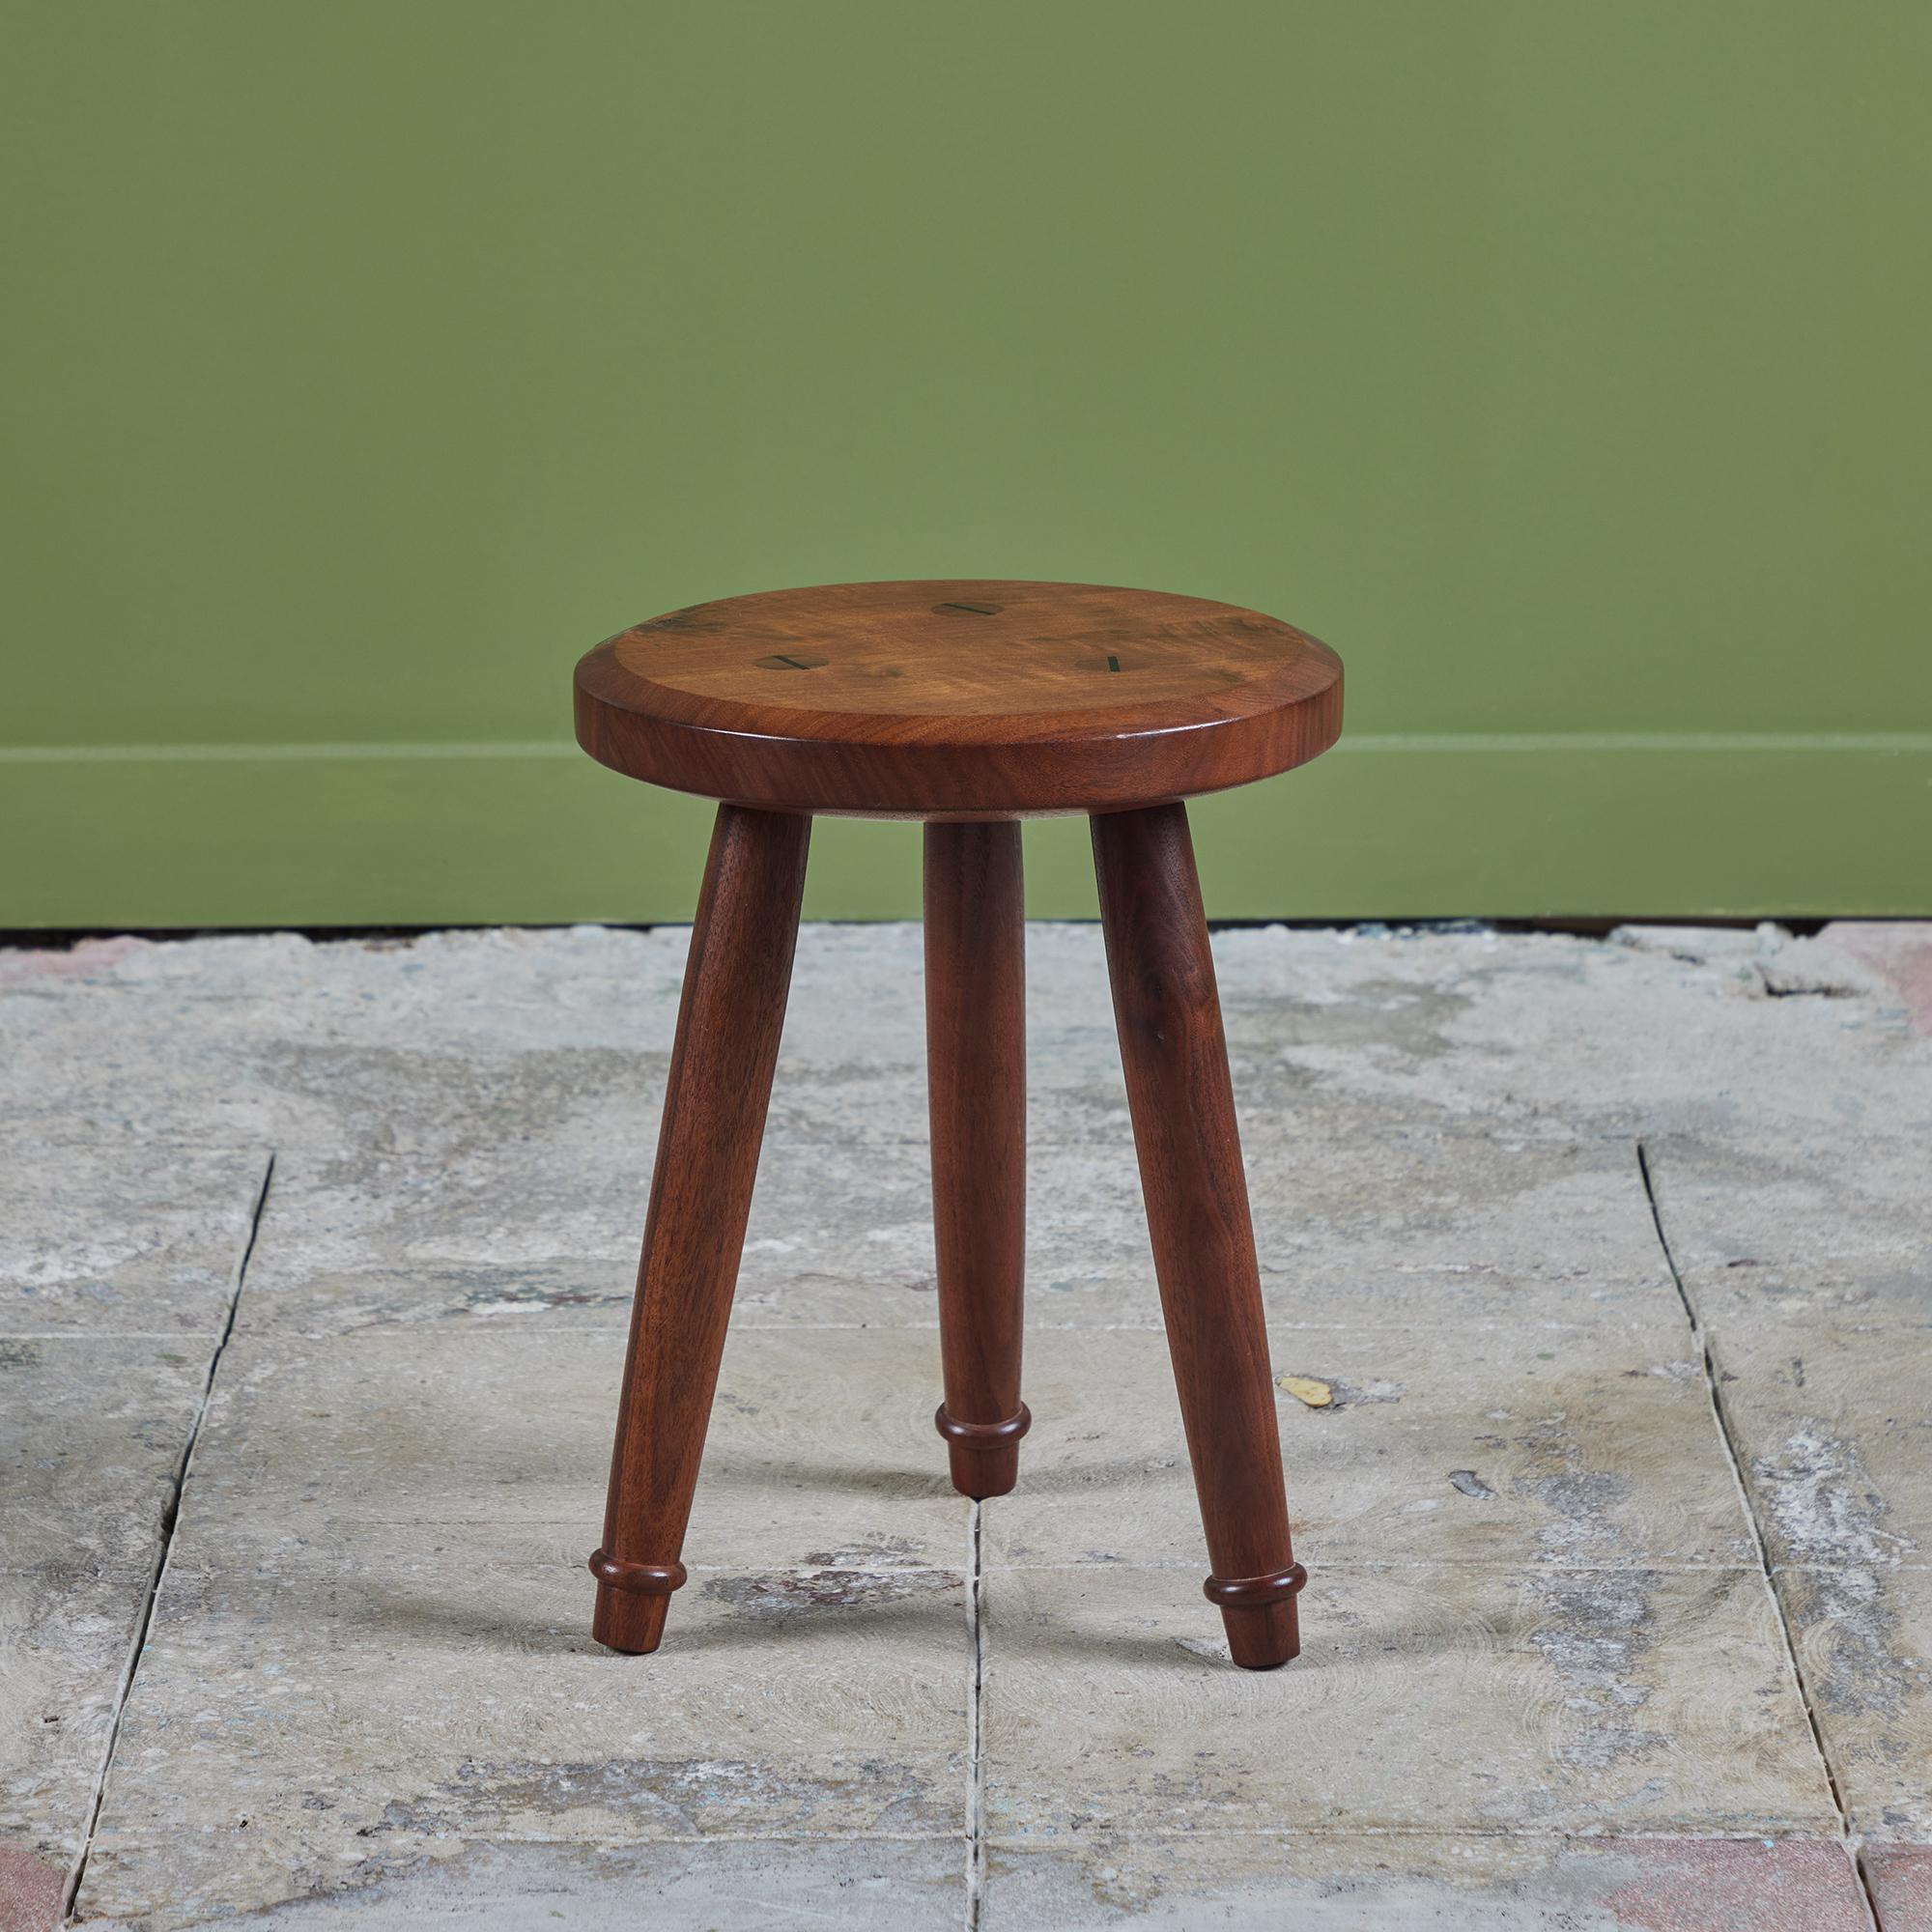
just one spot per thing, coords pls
(969, 705)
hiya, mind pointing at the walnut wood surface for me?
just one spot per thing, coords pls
(735, 981)
(976, 1058)
(958, 700)
(1179, 1093)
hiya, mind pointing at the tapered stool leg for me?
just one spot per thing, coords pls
(1182, 1105)
(976, 1061)
(735, 981)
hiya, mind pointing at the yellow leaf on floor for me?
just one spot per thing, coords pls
(1305, 1389)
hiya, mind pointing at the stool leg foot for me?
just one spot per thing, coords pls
(994, 1472)
(975, 1056)
(735, 981)
(632, 1599)
(633, 1625)
(1178, 1092)
(1263, 1639)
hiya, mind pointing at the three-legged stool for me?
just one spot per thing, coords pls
(969, 705)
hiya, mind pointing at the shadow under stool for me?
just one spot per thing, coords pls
(970, 706)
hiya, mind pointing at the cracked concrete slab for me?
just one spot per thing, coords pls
(121, 1239)
(275, 1039)
(1808, 1261)
(64, 1636)
(1256, 1882)
(372, 1648)
(1425, 1228)
(1835, 1437)
(1585, 1700)
(1433, 1227)
(93, 1427)
(592, 1294)
(303, 1722)
(92, 1432)
(1787, 1226)
(838, 1232)
(1590, 1446)
(376, 1654)
(821, 1454)
(470, 1885)
(1863, 1639)
(1609, 1039)
(1441, 1026)
(1545, 1210)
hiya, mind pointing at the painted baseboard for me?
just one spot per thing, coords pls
(1384, 827)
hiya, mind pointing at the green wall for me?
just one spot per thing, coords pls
(1564, 364)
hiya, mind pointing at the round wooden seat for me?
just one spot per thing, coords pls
(969, 700)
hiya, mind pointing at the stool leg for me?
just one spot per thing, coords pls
(1176, 1059)
(976, 1059)
(735, 981)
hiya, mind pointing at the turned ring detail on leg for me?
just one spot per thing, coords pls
(643, 1580)
(1244, 1593)
(982, 1434)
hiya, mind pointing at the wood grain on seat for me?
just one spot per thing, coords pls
(958, 700)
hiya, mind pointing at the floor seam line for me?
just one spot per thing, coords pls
(1721, 1416)
(169, 1525)
(1503, 1835)
(976, 1832)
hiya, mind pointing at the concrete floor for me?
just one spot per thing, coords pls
(1617, 1256)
